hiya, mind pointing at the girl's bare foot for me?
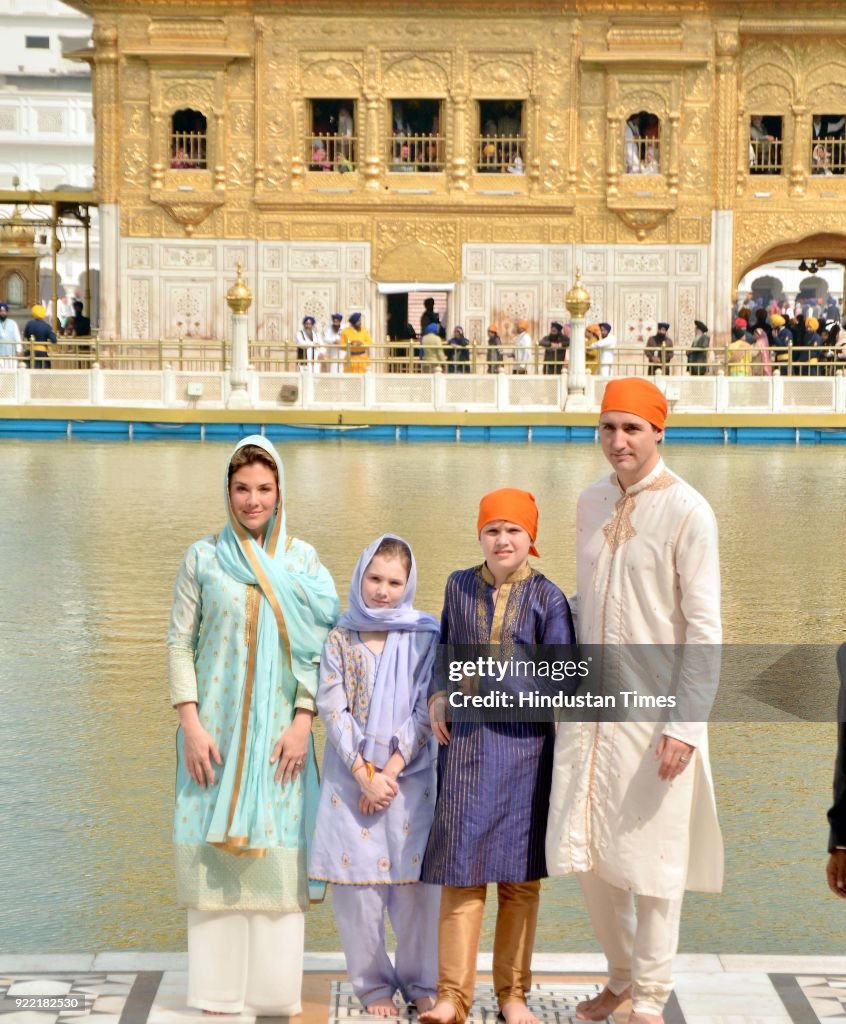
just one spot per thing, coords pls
(602, 1006)
(383, 1007)
(424, 1004)
(516, 1012)
(443, 1012)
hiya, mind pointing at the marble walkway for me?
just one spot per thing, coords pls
(149, 988)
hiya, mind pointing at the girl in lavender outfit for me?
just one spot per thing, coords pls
(377, 798)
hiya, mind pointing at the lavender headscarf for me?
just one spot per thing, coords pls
(398, 681)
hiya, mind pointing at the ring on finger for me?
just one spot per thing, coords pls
(684, 760)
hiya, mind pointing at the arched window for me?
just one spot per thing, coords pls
(188, 136)
(643, 143)
(16, 289)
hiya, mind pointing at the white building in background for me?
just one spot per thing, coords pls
(46, 123)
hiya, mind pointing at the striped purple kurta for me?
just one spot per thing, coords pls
(494, 776)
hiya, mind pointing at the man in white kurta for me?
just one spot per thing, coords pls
(632, 809)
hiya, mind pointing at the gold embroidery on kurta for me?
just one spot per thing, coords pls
(620, 528)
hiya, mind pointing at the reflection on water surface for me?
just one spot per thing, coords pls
(91, 537)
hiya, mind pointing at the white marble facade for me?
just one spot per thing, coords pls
(176, 288)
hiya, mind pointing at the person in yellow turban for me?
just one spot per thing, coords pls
(38, 333)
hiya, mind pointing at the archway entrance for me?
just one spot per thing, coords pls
(806, 272)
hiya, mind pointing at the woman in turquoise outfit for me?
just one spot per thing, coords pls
(252, 607)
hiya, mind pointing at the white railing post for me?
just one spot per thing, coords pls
(840, 391)
(777, 392)
(439, 389)
(96, 385)
(253, 388)
(168, 386)
(368, 385)
(307, 387)
(721, 393)
(22, 391)
(501, 388)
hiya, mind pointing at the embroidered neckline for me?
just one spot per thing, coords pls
(620, 529)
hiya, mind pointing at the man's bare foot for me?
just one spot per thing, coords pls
(424, 1004)
(443, 1012)
(602, 1006)
(516, 1012)
(635, 1017)
(384, 1007)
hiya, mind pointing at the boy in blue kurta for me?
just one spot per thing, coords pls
(378, 791)
(494, 776)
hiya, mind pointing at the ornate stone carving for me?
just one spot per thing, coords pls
(176, 258)
(516, 262)
(417, 75)
(139, 308)
(641, 263)
(191, 213)
(501, 78)
(313, 260)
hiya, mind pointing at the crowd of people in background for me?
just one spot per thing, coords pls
(798, 338)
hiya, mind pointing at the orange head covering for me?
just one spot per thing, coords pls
(512, 505)
(637, 396)
(777, 320)
(812, 323)
(523, 325)
(39, 312)
(494, 328)
(593, 329)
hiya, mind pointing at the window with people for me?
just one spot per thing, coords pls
(828, 144)
(332, 141)
(765, 144)
(416, 140)
(188, 139)
(501, 144)
(643, 143)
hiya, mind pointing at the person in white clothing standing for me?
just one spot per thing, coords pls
(632, 809)
(10, 339)
(333, 359)
(606, 343)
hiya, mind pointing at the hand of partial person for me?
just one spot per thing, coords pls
(198, 752)
(437, 719)
(674, 756)
(835, 873)
(291, 751)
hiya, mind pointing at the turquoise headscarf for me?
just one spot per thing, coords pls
(297, 610)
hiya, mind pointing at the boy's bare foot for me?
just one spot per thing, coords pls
(383, 1007)
(516, 1012)
(424, 1004)
(645, 1018)
(603, 1005)
(443, 1012)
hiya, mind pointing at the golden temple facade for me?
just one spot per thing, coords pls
(348, 152)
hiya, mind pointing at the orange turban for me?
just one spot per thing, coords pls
(812, 323)
(523, 325)
(593, 329)
(637, 396)
(512, 505)
(777, 320)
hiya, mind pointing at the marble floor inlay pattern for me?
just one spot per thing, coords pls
(550, 1003)
(826, 995)
(98, 997)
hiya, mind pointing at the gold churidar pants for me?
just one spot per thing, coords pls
(459, 928)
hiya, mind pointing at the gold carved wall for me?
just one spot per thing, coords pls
(254, 69)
